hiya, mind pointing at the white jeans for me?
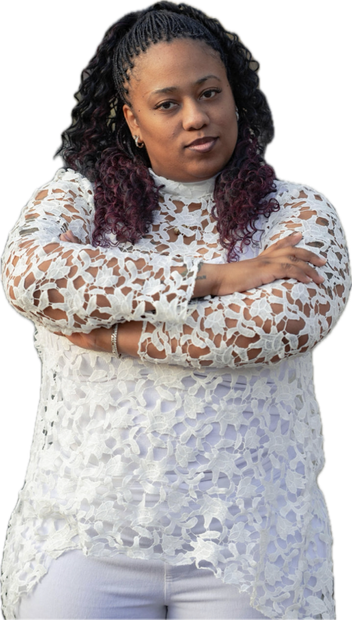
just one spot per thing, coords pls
(77, 586)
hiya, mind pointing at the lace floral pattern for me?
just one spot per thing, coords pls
(209, 455)
(272, 322)
(90, 287)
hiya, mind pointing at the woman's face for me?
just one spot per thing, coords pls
(182, 108)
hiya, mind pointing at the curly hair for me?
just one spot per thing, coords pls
(98, 142)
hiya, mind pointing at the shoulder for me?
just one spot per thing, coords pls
(304, 209)
(302, 202)
(70, 179)
(68, 185)
(288, 191)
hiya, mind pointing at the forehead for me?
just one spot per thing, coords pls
(179, 57)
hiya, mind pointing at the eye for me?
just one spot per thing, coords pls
(168, 105)
(210, 93)
(165, 105)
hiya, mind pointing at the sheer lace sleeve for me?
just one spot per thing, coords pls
(271, 322)
(71, 287)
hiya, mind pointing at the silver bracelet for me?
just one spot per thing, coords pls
(113, 341)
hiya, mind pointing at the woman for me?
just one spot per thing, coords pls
(151, 461)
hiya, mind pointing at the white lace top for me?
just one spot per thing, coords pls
(209, 455)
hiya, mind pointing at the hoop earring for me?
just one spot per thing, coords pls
(237, 115)
(140, 145)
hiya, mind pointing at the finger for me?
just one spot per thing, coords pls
(291, 239)
(287, 248)
(315, 259)
(68, 236)
(302, 262)
(65, 237)
(301, 254)
(288, 241)
(301, 271)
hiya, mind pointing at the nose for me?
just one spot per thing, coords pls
(194, 115)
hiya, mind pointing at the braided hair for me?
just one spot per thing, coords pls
(98, 142)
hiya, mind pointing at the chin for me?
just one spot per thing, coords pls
(199, 171)
(206, 172)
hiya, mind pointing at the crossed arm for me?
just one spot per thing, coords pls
(232, 329)
(280, 303)
(75, 287)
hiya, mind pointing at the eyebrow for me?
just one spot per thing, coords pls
(170, 89)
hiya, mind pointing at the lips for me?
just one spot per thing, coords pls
(202, 140)
(202, 145)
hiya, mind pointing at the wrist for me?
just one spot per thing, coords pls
(205, 281)
(127, 338)
(114, 349)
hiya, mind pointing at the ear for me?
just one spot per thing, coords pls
(131, 120)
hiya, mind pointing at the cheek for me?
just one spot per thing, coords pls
(231, 137)
(227, 116)
(230, 130)
(160, 138)
(155, 129)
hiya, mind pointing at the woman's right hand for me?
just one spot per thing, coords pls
(280, 260)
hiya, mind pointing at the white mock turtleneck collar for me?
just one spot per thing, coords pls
(190, 191)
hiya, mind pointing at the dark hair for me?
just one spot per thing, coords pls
(99, 145)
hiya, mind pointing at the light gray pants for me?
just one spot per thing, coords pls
(77, 586)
